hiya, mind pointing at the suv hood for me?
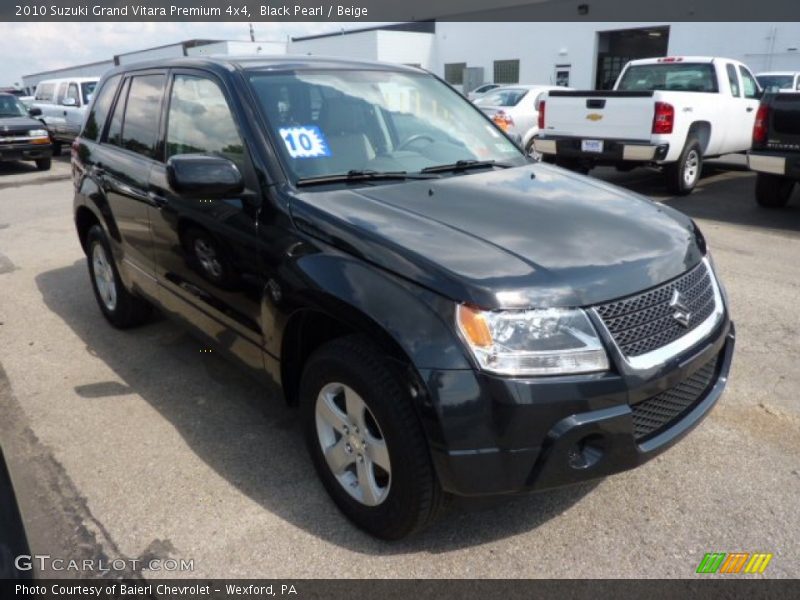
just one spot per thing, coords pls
(528, 236)
(15, 125)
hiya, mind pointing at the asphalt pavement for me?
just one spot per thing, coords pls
(135, 444)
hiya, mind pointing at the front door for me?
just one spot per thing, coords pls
(206, 249)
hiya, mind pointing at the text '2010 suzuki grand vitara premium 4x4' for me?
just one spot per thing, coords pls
(450, 317)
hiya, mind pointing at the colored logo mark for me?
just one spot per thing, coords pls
(735, 562)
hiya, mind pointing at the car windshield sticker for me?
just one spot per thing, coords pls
(305, 141)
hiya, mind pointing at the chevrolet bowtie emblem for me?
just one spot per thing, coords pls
(680, 312)
(594, 116)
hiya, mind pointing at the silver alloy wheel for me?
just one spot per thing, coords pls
(691, 169)
(208, 257)
(353, 444)
(104, 277)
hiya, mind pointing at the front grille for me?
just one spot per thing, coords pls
(645, 321)
(655, 414)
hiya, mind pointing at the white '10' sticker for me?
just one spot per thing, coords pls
(305, 142)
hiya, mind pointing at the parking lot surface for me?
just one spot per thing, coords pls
(137, 444)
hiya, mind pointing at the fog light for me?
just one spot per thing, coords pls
(587, 452)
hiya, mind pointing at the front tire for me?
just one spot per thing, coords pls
(773, 191)
(43, 164)
(121, 308)
(682, 177)
(366, 441)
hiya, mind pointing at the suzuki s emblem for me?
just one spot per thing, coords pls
(594, 116)
(680, 312)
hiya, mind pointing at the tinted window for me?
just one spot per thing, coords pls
(200, 120)
(689, 77)
(102, 104)
(11, 107)
(734, 80)
(749, 84)
(114, 135)
(140, 127)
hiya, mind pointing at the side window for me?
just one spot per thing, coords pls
(733, 79)
(100, 108)
(200, 120)
(62, 92)
(72, 92)
(114, 135)
(140, 125)
(749, 84)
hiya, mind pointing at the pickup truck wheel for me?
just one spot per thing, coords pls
(773, 191)
(366, 440)
(209, 258)
(56, 148)
(682, 176)
(530, 150)
(43, 164)
(121, 308)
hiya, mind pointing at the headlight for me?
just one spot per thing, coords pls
(38, 133)
(550, 341)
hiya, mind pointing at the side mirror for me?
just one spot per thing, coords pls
(35, 111)
(69, 102)
(204, 176)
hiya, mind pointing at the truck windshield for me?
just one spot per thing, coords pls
(331, 122)
(673, 77)
(10, 106)
(773, 83)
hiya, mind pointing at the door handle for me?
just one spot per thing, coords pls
(157, 199)
(749, 109)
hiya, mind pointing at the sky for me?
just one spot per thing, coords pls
(33, 47)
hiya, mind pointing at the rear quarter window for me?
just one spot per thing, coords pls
(100, 109)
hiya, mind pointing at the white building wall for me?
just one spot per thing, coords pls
(357, 46)
(406, 47)
(171, 51)
(29, 82)
(541, 46)
(237, 48)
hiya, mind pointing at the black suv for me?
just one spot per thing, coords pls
(21, 136)
(449, 316)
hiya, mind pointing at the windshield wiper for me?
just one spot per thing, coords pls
(463, 165)
(361, 175)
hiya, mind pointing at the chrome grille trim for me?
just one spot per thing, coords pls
(659, 356)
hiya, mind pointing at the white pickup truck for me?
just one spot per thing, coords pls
(672, 112)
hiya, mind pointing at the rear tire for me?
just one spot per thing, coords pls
(347, 383)
(43, 164)
(773, 191)
(682, 176)
(56, 148)
(121, 308)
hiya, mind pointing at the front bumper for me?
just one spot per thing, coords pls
(775, 163)
(614, 151)
(25, 151)
(510, 435)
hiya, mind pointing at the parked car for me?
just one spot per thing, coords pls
(63, 103)
(779, 81)
(515, 109)
(22, 137)
(671, 112)
(775, 155)
(449, 316)
(481, 90)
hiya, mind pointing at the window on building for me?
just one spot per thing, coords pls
(506, 71)
(733, 80)
(96, 118)
(214, 133)
(454, 73)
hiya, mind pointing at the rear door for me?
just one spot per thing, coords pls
(207, 250)
(73, 114)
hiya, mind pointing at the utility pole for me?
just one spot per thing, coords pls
(252, 33)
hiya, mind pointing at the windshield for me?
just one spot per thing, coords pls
(506, 97)
(337, 121)
(10, 106)
(87, 89)
(673, 77)
(773, 83)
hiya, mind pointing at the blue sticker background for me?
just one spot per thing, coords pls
(306, 141)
